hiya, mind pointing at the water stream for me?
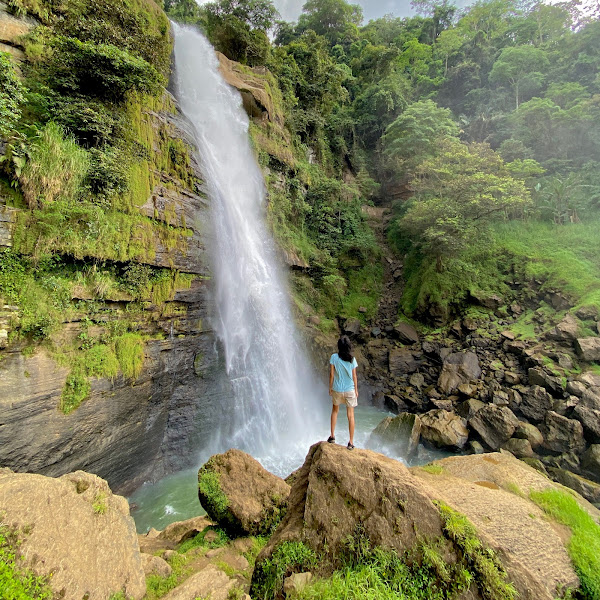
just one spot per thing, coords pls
(277, 407)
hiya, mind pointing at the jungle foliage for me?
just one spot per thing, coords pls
(460, 118)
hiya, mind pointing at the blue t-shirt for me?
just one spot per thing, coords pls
(342, 380)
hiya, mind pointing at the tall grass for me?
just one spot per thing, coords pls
(56, 168)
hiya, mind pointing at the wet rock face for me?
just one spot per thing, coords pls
(240, 495)
(76, 529)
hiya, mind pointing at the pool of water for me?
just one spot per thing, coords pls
(175, 498)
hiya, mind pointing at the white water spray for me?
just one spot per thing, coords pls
(277, 409)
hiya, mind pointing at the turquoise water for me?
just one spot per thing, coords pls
(175, 498)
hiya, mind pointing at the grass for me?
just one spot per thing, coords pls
(200, 541)
(433, 469)
(584, 545)
(16, 581)
(99, 505)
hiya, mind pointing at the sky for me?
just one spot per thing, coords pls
(372, 9)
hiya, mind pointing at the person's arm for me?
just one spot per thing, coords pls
(331, 375)
(355, 382)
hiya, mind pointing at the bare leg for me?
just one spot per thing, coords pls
(350, 413)
(334, 415)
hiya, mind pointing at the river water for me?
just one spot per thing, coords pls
(277, 407)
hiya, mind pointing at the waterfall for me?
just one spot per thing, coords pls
(276, 409)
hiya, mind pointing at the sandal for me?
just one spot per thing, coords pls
(331, 440)
(350, 446)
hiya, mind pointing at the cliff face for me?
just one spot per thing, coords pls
(60, 410)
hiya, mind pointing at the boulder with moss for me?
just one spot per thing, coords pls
(240, 495)
(468, 514)
(75, 532)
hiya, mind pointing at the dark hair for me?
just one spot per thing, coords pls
(345, 349)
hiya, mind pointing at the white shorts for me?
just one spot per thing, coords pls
(347, 398)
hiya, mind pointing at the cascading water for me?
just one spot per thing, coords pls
(276, 403)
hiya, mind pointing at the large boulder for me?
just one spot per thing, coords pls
(406, 333)
(459, 367)
(590, 419)
(537, 376)
(535, 403)
(240, 495)
(444, 429)
(402, 361)
(402, 433)
(495, 425)
(74, 528)
(339, 496)
(584, 487)
(565, 331)
(529, 432)
(590, 461)
(210, 582)
(561, 434)
(588, 348)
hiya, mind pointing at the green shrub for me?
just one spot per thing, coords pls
(287, 558)
(56, 168)
(11, 95)
(16, 582)
(584, 545)
(100, 70)
(77, 389)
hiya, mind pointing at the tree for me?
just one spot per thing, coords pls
(333, 19)
(257, 14)
(441, 13)
(457, 192)
(520, 67)
(415, 134)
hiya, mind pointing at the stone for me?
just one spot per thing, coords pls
(538, 376)
(512, 378)
(406, 333)
(495, 425)
(467, 389)
(537, 464)
(469, 408)
(516, 308)
(375, 332)
(395, 403)
(78, 531)
(519, 447)
(591, 398)
(514, 400)
(237, 561)
(294, 584)
(169, 554)
(536, 403)
(565, 331)
(590, 461)
(529, 432)
(476, 447)
(460, 367)
(402, 362)
(516, 347)
(589, 379)
(417, 380)
(500, 398)
(576, 388)
(214, 552)
(154, 565)
(240, 495)
(584, 487)
(590, 419)
(402, 433)
(587, 313)
(588, 348)
(352, 327)
(362, 310)
(491, 301)
(562, 434)
(565, 362)
(210, 582)
(508, 335)
(444, 429)
(338, 490)
(184, 530)
(377, 352)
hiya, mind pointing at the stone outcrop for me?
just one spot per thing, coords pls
(495, 425)
(77, 530)
(444, 429)
(240, 495)
(460, 367)
(588, 348)
(391, 503)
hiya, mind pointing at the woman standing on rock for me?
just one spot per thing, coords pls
(343, 386)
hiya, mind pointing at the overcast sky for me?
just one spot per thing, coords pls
(290, 9)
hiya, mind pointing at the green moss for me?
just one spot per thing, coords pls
(17, 582)
(584, 544)
(129, 349)
(433, 469)
(214, 501)
(200, 540)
